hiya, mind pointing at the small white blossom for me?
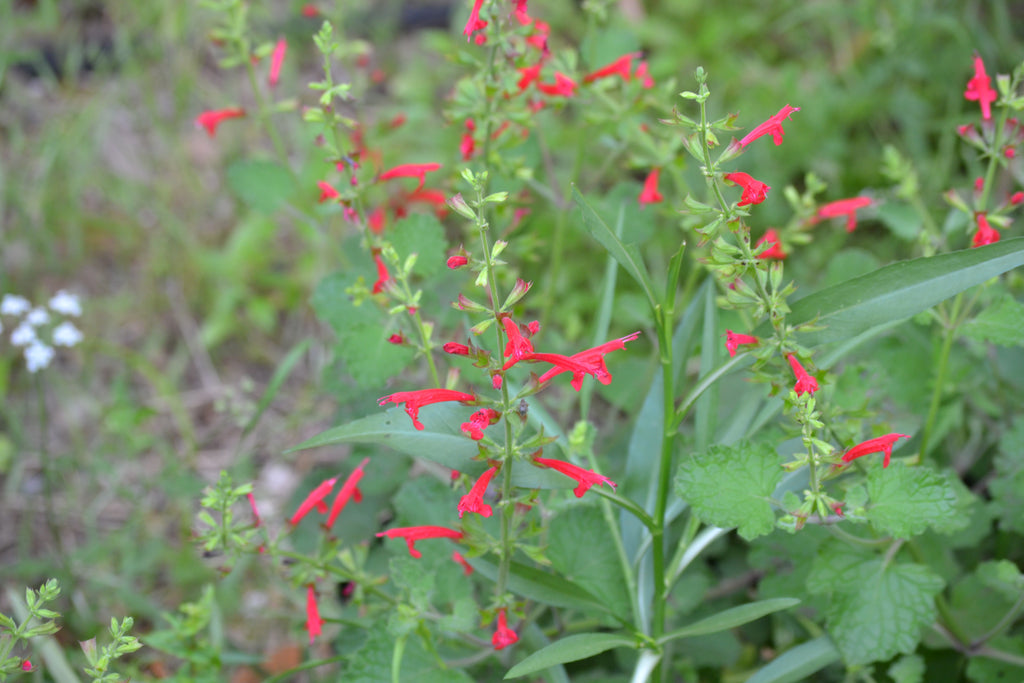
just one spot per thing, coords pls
(68, 304)
(23, 335)
(37, 356)
(13, 304)
(66, 334)
(37, 316)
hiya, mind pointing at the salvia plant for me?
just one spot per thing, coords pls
(556, 525)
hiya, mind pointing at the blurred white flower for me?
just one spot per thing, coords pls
(37, 316)
(66, 334)
(23, 335)
(68, 304)
(13, 304)
(37, 356)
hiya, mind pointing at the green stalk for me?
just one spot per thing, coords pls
(940, 376)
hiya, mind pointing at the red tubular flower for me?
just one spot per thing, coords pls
(563, 86)
(645, 78)
(276, 60)
(1016, 198)
(419, 171)
(733, 340)
(773, 127)
(327, 191)
(456, 349)
(527, 75)
(457, 261)
(349, 490)
(474, 23)
(622, 67)
(650, 194)
(255, 512)
(804, 382)
(414, 400)
(211, 119)
(592, 361)
(503, 635)
(474, 500)
(310, 11)
(979, 89)
(479, 421)
(382, 274)
(585, 478)
(843, 207)
(881, 444)
(754, 191)
(396, 338)
(411, 534)
(26, 665)
(313, 620)
(518, 346)
(375, 221)
(467, 568)
(774, 251)
(314, 499)
(986, 234)
(468, 144)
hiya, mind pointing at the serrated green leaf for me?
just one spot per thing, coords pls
(882, 612)
(423, 235)
(908, 669)
(904, 501)
(261, 185)
(407, 574)
(1002, 323)
(900, 290)
(465, 616)
(627, 255)
(442, 441)
(338, 309)
(570, 649)
(732, 486)
(730, 618)
(797, 664)
(541, 586)
(576, 550)
(369, 358)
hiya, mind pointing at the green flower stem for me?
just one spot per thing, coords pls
(993, 160)
(426, 346)
(264, 116)
(940, 376)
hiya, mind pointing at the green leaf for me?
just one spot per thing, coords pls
(541, 586)
(576, 550)
(442, 441)
(798, 663)
(982, 669)
(901, 219)
(1002, 576)
(904, 501)
(730, 618)
(1007, 487)
(732, 486)
(423, 235)
(570, 649)
(261, 185)
(900, 290)
(337, 308)
(909, 669)
(627, 255)
(876, 609)
(1002, 323)
(368, 357)
(371, 663)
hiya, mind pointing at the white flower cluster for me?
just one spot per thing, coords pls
(31, 320)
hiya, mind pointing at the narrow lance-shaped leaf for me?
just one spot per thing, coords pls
(900, 290)
(627, 255)
(730, 618)
(570, 649)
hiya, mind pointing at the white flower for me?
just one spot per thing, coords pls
(66, 334)
(68, 304)
(13, 304)
(37, 316)
(23, 335)
(37, 356)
